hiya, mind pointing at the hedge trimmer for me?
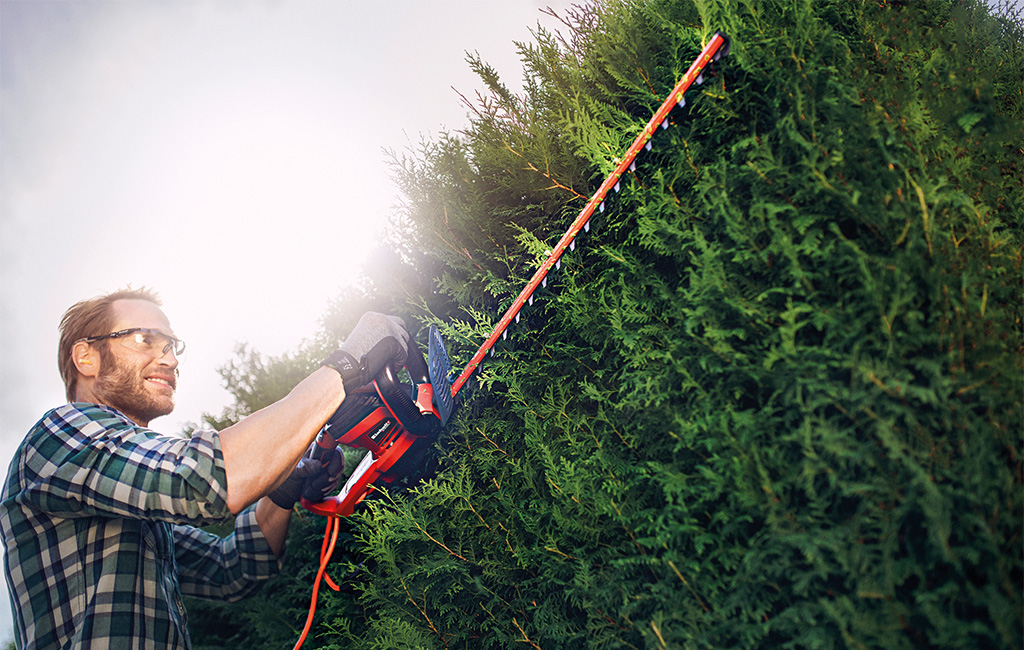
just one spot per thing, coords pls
(395, 422)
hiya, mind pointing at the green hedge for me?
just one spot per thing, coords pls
(773, 399)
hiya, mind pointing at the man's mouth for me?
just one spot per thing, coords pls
(163, 381)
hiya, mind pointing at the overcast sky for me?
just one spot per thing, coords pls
(226, 154)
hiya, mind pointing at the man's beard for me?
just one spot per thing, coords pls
(123, 388)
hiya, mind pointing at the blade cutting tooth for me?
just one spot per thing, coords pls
(664, 123)
(504, 334)
(530, 300)
(544, 282)
(617, 184)
(586, 226)
(601, 207)
(558, 264)
(632, 166)
(682, 101)
(517, 317)
(700, 78)
(648, 145)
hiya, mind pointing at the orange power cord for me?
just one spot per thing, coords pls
(326, 550)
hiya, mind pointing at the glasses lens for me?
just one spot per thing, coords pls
(152, 342)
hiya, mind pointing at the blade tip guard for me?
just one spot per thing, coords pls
(723, 50)
(440, 368)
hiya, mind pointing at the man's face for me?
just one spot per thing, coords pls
(135, 383)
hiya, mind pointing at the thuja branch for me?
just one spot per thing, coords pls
(422, 611)
(458, 250)
(425, 533)
(546, 173)
(473, 510)
(692, 590)
(431, 538)
(523, 632)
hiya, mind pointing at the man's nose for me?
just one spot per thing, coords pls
(169, 358)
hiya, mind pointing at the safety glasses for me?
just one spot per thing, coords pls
(142, 339)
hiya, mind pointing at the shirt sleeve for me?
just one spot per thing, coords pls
(224, 569)
(87, 460)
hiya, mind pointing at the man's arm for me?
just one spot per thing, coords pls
(226, 568)
(261, 450)
(273, 522)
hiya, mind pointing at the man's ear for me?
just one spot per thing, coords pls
(86, 358)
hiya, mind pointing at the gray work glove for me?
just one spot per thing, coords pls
(312, 479)
(378, 340)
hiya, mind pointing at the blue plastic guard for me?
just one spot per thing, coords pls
(440, 369)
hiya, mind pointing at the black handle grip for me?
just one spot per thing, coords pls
(324, 443)
(399, 399)
(416, 364)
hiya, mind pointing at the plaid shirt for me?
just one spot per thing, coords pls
(93, 520)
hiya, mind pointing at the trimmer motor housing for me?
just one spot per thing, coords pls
(394, 422)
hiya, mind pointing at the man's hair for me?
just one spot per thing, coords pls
(88, 318)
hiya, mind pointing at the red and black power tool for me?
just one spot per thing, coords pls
(394, 422)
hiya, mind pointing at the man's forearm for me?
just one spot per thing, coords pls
(262, 449)
(273, 522)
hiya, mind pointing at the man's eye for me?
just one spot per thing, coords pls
(144, 339)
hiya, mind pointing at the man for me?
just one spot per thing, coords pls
(98, 514)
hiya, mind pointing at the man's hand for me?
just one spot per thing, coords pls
(311, 479)
(322, 485)
(377, 341)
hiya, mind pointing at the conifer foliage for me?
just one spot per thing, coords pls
(773, 398)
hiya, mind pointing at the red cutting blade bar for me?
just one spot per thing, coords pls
(676, 96)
